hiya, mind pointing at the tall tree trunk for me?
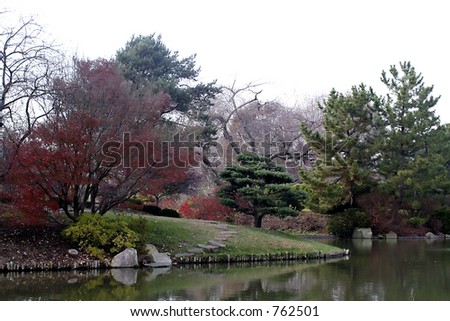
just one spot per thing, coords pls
(258, 220)
(94, 194)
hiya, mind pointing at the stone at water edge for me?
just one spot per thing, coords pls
(159, 260)
(149, 250)
(126, 258)
(362, 233)
(196, 251)
(391, 235)
(431, 235)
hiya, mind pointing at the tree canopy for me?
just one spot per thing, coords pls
(257, 187)
(146, 59)
(411, 122)
(95, 146)
(394, 144)
(345, 151)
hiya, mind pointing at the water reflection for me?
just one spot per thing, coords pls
(125, 276)
(376, 270)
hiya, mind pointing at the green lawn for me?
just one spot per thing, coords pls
(175, 235)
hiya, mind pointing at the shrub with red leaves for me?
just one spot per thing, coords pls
(383, 211)
(206, 208)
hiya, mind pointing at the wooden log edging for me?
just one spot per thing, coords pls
(51, 266)
(194, 260)
(267, 257)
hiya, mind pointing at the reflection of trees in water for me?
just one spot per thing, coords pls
(391, 270)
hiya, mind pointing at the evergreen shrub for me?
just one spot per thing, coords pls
(343, 224)
(99, 234)
(168, 212)
(443, 215)
(151, 209)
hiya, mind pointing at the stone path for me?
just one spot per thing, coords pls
(213, 245)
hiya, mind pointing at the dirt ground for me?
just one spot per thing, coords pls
(37, 245)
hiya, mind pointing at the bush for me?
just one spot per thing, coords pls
(343, 224)
(157, 211)
(151, 209)
(168, 212)
(207, 208)
(100, 235)
(443, 215)
(134, 200)
(304, 223)
(383, 210)
(417, 221)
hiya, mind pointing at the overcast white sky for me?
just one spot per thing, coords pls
(298, 48)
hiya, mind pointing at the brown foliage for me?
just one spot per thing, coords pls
(383, 211)
(308, 222)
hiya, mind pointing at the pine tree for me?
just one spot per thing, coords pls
(411, 122)
(257, 187)
(345, 151)
(147, 59)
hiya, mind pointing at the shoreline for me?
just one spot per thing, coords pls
(189, 260)
(202, 259)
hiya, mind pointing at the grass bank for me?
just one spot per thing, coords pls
(175, 235)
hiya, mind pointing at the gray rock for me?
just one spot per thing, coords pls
(151, 249)
(196, 250)
(228, 232)
(183, 255)
(159, 260)
(391, 235)
(125, 276)
(216, 243)
(73, 252)
(146, 256)
(211, 248)
(431, 235)
(125, 259)
(221, 239)
(362, 233)
(447, 236)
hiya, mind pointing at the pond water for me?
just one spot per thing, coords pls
(376, 270)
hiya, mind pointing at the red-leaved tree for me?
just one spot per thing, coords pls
(171, 179)
(98, 146)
